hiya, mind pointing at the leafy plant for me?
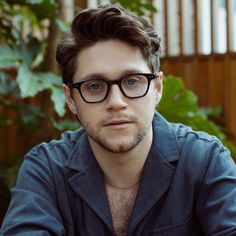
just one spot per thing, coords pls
(22, 52)
(26, 76)
(180, 105)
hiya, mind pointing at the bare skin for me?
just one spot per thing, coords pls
(121, 203)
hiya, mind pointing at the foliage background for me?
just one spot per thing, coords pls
(31, 97)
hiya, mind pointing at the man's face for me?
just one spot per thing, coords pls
(118, 123)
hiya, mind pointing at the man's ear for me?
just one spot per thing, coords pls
(159, 86)
(69, 99)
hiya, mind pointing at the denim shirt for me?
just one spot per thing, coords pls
(188, 187)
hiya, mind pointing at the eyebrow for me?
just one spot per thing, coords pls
(103, 76)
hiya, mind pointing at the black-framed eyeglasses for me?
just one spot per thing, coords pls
(97, 90)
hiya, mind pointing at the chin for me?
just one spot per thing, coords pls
(119, 147)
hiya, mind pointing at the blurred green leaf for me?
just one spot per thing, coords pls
(177, 103)
(7, 85)
(29, 83)
(42, 8)
(66, 125)
(58, 98)
(34, 1)
(51, 79)
(9, 57)
(62, 25)
(30, 51)
(140, 7)
(210, 111)
(26, 52)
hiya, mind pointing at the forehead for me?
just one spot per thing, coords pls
(109, 58)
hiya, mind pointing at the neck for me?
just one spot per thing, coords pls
(123, 169)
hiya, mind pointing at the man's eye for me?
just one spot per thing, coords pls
(131, 81)
(95, 86)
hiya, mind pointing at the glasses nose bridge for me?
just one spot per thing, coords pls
(114, 82)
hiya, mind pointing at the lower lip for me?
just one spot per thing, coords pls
(119, 126)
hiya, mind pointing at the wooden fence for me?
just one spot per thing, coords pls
(199, 45)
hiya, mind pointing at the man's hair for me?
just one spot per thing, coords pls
(107, 21)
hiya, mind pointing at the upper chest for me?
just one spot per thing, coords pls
(121, 204)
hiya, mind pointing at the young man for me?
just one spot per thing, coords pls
(128, 171)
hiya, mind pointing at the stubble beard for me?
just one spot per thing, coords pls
(121, 147)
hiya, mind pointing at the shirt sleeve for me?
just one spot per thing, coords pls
(33, 207)
(216, 205)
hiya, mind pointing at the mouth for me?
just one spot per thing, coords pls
(118, 124)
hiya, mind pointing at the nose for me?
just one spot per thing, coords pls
(115, 100)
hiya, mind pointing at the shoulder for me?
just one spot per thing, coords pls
(202, 155)
(197, 141)
(182, 145)
(57, 150)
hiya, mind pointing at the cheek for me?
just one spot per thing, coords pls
(148, 106)
(87, 114)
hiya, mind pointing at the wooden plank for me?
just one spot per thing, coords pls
(196, 27)
(180, 19)
(166, 48)
(230, 96)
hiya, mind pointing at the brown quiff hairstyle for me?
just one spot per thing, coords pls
(107, 21)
